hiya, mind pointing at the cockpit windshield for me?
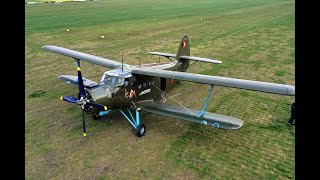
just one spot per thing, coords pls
(114, 80)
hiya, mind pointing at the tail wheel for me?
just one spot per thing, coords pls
(141, 130)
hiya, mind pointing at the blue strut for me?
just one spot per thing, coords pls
(102, 113)
(134, 122)
(206, 103)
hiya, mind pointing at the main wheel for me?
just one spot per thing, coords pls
(141, 130)
(96, 116)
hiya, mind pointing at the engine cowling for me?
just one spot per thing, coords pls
(100, 94)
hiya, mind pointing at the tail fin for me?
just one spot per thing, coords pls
(183, 50)
(184, 47)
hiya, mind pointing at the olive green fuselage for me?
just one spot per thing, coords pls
(141, 89)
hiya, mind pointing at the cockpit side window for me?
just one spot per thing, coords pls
(120, 81)
(114, 80)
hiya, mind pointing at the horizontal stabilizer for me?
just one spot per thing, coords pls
(187, 57)
(209, 119)
(201, 59)
(162, 54)
(73, 80)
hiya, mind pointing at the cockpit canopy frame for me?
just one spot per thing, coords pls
(117, 79)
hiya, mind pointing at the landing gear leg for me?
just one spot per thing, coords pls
(135, 122)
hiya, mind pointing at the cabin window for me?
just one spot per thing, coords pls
(127, 81)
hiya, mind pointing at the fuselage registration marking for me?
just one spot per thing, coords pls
(144, 92)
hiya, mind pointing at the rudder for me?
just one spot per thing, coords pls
(183, 50)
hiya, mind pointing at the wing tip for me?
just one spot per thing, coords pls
(46, 47)
(291, 91)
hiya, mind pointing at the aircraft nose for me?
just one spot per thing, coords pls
(101, 93)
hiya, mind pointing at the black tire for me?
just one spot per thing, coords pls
(88, 110)
(141, 130)
(96, 116)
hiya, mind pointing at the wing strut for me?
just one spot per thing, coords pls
(206, 102)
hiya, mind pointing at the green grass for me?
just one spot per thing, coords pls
(253, 39)
(281, 72)
(37, 94)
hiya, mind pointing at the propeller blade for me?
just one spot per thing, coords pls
(80, 80)
(84, 124)
(69, 99)
(98, 106)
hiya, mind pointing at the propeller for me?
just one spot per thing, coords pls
(83, 102)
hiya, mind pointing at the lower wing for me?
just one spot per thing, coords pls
(209, 119)
(73, 80)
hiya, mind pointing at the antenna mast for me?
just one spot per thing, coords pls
(122, 62)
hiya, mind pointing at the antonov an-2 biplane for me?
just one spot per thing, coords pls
(133, 88)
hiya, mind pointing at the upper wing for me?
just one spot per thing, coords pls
(186, 57)
(221, 81)
(85, 57)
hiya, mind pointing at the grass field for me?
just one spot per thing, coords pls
(254, 39)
